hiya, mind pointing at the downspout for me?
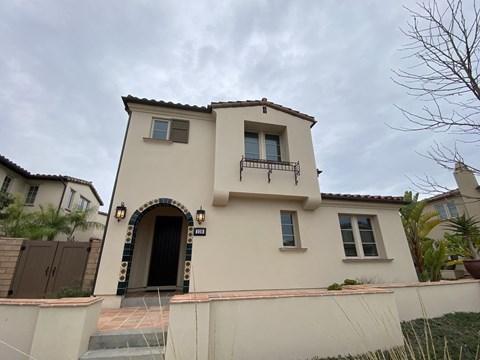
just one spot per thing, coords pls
(111, 202)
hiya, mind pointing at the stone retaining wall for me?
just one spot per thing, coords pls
(9, 253)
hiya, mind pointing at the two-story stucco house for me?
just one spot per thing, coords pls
(65, 192)
(457, 202)
(250, 167)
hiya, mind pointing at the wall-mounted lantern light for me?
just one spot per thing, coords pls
(200, 216)
(120, 212)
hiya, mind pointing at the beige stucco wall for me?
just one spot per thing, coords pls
(428, 300)
(296, 146)
(47, 329)
(439, 231)
(283, 327)
(241, 250)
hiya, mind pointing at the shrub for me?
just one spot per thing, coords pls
(351, 282)
(334, 286)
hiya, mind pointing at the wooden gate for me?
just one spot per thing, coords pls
(45, 267)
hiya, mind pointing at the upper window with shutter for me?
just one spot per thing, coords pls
(171, 130)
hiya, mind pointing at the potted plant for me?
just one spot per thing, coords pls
(465, 241)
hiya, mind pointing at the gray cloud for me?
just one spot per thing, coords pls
(64, 66)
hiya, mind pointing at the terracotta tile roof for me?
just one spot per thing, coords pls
(370, 198)
(28, 175)
(215, 105)
(135, 100)
(444, 195)
(263, 102)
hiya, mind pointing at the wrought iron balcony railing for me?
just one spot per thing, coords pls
(270, 165)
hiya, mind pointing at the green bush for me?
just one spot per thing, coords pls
(69, 292)
(334, 286)
(351, 282)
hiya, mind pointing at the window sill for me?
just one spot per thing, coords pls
(292, 249)
(354, 260)
(158, 141)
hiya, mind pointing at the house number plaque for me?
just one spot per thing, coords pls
(199, 231)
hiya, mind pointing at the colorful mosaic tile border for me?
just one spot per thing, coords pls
(125, 266)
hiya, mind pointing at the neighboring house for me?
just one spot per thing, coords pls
(465, 199)
(65, 192)
(250, 166)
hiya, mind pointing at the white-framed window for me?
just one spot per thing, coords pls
(31, 194)
(83, 204)
(260, 145)
(358, 236)
(71, 198)
(7, 183)
(447, 210)
(289, 229)
(170, 129)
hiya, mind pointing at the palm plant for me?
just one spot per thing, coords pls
(417, 225)
(78, 220)
(49, 222)
(465, 237)
(15, 221)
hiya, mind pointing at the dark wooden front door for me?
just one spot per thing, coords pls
(165, 251)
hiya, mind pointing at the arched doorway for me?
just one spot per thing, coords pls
(162, 218)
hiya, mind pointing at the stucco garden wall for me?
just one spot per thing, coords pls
(47, 329)
(282, 325)
(433, 299)
(301, 324)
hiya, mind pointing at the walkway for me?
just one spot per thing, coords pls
(133, 318)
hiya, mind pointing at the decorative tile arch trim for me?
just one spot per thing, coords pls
(125, 266)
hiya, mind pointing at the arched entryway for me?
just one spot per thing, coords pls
(131, 237)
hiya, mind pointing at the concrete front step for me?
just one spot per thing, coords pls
(134, 338)
(142, 301)
(139, 353)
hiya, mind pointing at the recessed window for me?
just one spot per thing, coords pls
(173, 130)
(31, 194)
(358, 236)
(71, 198)
(259, 145)
(252, 145)
(83, 204)
(7, 183)
(288, 229)
(447, 210)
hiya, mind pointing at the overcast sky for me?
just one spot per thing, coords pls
(65, 64)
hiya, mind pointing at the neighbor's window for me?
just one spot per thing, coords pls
(447, 210)
(83, 204)
(358, 236)
(259, 145)
(71, 198)
(31, 194)
(7, 182)
(288, 228)
(173, 130)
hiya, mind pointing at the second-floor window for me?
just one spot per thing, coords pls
(31, 194)
(71, 198)
(259, 145)
(447, 210)
(83, 204)
(173, 130)
(7, 182)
